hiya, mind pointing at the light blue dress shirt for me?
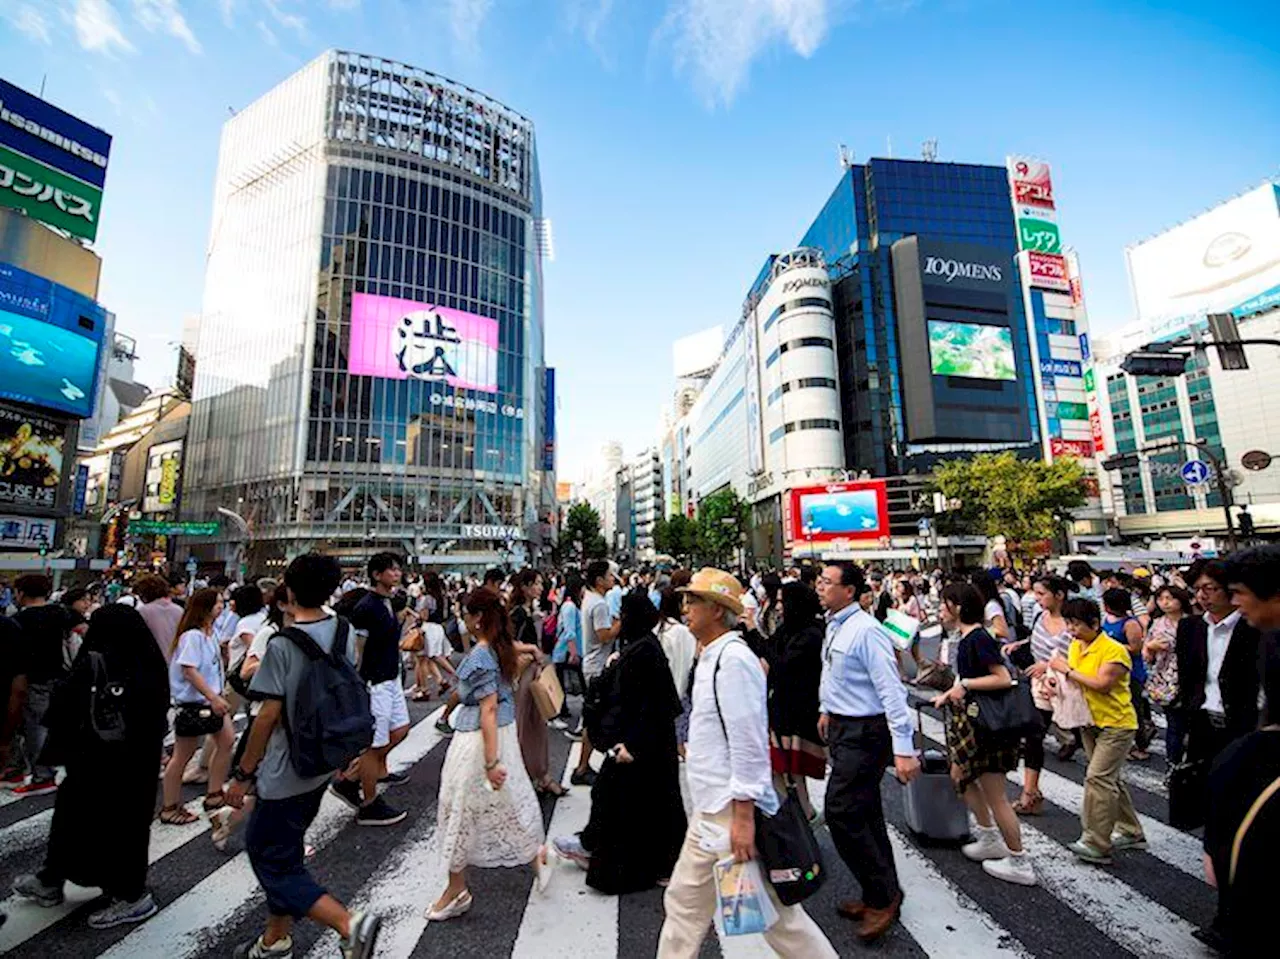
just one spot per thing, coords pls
(860, 675)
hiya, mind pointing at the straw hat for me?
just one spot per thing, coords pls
(717, 586)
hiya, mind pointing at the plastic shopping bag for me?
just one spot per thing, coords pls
(901, 628)
(743, 906)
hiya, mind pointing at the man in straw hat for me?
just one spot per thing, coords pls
(729, 776)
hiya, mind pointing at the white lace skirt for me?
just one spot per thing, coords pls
(477, 826)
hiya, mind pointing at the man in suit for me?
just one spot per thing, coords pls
(1254, 579)
(1218, 675)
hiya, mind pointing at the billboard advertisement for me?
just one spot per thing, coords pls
(31, 456)
(1080, 449)
(549, 422)
(1225, 260)
(26, 244)
(50, 340)
(858, 510)
(972, 350)
(26, 532)
(1048, 271)
(1030, 182)
(164, 469)
(402, 340)
(53, 166)
(1037, 230)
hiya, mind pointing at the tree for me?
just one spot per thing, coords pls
(723, 518)
(582, 525)
(1002, 495)
(661, 536)
(682, 535)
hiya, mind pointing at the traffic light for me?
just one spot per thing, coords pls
(1225, 333)
(1122, 462)
(1245, 519)
(1155, 364)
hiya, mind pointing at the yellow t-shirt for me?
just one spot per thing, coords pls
(1114, 708)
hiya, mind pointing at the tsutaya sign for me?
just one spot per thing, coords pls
(950, 269)
(52, 165)
(485, 531)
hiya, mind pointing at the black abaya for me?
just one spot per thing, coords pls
(101, 826)
(637, 815)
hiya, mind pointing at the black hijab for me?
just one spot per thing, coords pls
(121, 635)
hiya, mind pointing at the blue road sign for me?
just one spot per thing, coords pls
(1195, 472)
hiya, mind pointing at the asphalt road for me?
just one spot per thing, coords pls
(1145, 905)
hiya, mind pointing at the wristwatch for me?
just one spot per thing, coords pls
(240, 776)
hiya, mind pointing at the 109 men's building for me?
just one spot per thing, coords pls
(370, 368)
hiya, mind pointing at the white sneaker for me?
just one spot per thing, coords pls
(987, 844)
(1015, 868)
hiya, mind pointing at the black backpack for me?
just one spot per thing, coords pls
(329, 720)
(602, 709)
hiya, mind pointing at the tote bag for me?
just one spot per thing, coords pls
(547, 693)
(1070, 708)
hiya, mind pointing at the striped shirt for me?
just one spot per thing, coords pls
(1044, 643)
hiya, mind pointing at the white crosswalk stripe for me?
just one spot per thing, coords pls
(942, 916)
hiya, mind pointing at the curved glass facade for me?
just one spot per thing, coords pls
(370, 367)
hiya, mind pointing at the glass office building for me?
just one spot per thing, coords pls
(369, 369)
(875, 206)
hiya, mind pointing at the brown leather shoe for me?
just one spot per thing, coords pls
(853, 909)
(876, 922)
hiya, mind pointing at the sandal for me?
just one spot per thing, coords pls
(177, 816)
(214, 801)
(550, 789)
(1029, 804)
(1139, 755)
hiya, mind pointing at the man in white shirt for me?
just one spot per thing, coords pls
(867, 726)
(729, 776)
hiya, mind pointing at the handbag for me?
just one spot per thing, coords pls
(412, 642)
(547, 693)
(789, 852)
(196, 719)
(1070, 708)
(1187, 794)
(1009, 712)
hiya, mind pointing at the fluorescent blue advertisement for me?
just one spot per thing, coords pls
(50, 340)
(853, 511)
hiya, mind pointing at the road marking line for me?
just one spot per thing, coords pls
(570, 919)
(1179, 849)
(183, 928)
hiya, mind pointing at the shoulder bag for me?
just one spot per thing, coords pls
(789, 852)
(1007, 712)
(1263, 798)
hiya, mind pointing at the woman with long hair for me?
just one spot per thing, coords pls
(101, 824)
(980, 760)
(795, 670)
(567, 652)
(908, 603)
(1160, 652)
(487, 813)
(432, 661)
(770, 615)
(1049, 635)
(196, 685)
(639, 781)
(531, 727)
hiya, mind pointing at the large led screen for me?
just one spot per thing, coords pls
(46, 365)
(840, 511)
(972, 350)
(402, 340)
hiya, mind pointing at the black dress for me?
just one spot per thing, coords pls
(101, 826)
(637, 821)
(795, 671)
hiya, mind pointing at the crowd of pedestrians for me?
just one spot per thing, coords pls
(755, 690)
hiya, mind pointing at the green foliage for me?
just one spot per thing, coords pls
(582, 524)
(661, 536)
(723, 518)
(1002, 495)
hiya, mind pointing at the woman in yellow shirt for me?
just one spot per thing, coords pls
(1101, 666)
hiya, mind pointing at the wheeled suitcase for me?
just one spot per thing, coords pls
(932, 808)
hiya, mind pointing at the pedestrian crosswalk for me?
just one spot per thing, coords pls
(1146, 905)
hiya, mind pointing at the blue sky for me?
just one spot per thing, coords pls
(681, 141)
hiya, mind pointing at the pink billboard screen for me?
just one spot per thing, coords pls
(404, 340)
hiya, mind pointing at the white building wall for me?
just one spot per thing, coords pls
(1248, 408)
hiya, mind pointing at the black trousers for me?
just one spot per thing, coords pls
(861, 749)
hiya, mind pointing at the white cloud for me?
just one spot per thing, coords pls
(97, 27)
(287, 18)
(27, 20)
(268, 34)
(589, 16)
(343, 4)
(466, 17)
(716, 41)
(227, 8)
(165, 15)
